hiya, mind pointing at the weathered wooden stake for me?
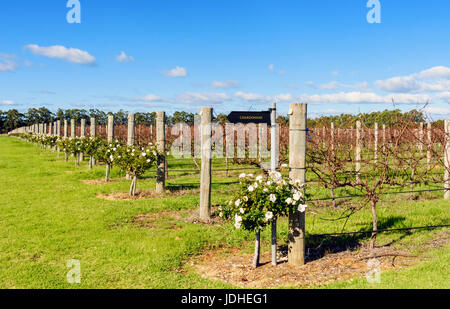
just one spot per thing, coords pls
(82, 135)
(297, 166)
(375, 143)
(130, 135)
(110, 128)
(358, 150)
(93, 133)
(447, 160)
(161, 145)
(429, 145)
(205, 174)
(72, 129)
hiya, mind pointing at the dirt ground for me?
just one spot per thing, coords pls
(232, 266)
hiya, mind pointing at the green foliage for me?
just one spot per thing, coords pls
(135, 160)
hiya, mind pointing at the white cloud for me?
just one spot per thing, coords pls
(176, 72)
(7, 102)
(201, 97)
(436, 110)
(225, 84)
(334, 85)
(122, 57)
(148, 98)
(339, 97)
(7, 63)
(253, 97)
(444, 96)
(73, 55)
(435, 79)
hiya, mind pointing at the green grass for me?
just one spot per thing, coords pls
(49, 216)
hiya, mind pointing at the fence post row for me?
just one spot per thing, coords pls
(297, 167)
(161, 146)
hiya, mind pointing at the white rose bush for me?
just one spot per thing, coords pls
(260, 201)
(135, 161)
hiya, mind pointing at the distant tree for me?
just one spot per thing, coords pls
(14, 119)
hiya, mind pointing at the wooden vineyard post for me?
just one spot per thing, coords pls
(166, 132)
(110, 138)
(358, 150)
(82, 135)
(375, 143)
(131, 134)
(66, 129)
(92, 133)
(447, 160)
(72, 129)
(205, 176)
(421, 137)
(73, 135)
(110, 129)
(297, 167)
(429, 144)
(161, 145)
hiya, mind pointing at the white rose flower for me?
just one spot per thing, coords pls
(237, 225)
(245, 198)
(289, 201)
(273, 198)
(243, 175)
(297, 196)
(237, 218)
(144, 154)
(237, 203)
(265, 189)
(148, 161)
(242, 210)
(251, 189)
(250, 175)
(259, 178)
(269, 183)
(302, 208)
(269, 215)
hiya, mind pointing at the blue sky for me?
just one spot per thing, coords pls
(146, 55)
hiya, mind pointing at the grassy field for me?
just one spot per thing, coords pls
(49, 216)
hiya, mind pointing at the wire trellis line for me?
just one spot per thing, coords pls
(381, 230)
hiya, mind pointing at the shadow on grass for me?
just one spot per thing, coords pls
(317, 246)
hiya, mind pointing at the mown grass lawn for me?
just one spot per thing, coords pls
(49, 216)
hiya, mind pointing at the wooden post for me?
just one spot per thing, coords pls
(82, 135)
(358, 150)
(332, 136)
(130, 135)
(447, 160)
(110, 128)
(205, 176)
(375, 143)
(131, 130)
(72, 129)
(161, 145)
(166, 170)
(297, 166)
(421, 137)
(430, 145)
(66, 129)
(92, 133)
